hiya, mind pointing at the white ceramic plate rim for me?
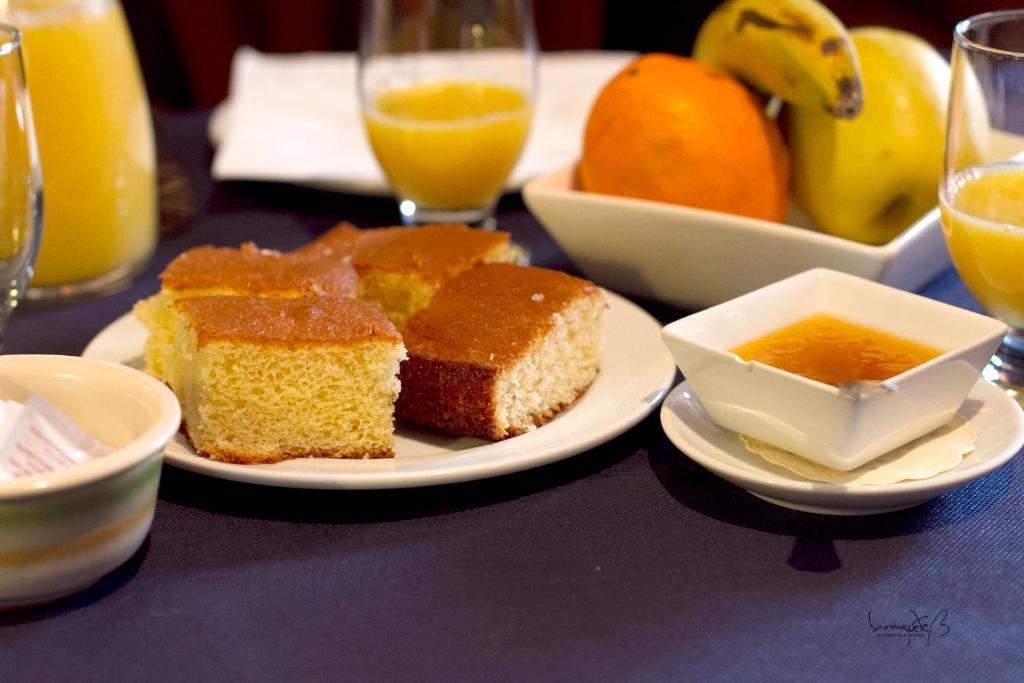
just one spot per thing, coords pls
(625, 323)
(698, 449)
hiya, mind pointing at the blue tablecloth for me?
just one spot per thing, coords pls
(626, 562)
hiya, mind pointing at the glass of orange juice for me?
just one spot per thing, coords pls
(95, 144)
(20, 182)
(981, 195)
(447, 89)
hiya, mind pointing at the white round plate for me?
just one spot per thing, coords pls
(997, 419)
(636, 372)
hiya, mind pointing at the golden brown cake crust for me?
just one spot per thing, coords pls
(341, 241)
(490, 315)
(434, 252)
(250, 270)
(288, 323)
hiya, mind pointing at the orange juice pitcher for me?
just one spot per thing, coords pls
(96, 145)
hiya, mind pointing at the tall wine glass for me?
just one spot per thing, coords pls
(447, 89)
(20, 180)
(982, 190)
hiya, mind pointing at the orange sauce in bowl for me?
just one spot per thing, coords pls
(834, 351)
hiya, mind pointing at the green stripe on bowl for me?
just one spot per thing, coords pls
(62, 504)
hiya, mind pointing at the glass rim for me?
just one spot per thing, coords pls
(10, 39)
(961, 28)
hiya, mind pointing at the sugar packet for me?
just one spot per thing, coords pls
(37, 438)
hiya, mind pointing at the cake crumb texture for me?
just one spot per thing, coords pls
(245, 400)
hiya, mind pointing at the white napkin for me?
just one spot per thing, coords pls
(936, 452)
(295, 118)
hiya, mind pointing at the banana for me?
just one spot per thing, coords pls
(794, 49)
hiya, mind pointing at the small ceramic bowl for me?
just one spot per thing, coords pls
(60, 532)
(845, 427)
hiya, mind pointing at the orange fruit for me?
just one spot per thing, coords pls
(674, 130)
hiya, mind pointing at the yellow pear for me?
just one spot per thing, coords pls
(869, 177)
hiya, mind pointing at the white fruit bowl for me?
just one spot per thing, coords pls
(62, 531)
(839, 427)
(694, 258)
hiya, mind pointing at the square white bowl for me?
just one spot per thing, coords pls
(840, 427)
(694, 258)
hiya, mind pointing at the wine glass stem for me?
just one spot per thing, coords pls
(1006, 368)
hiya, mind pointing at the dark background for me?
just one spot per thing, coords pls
(185, 46)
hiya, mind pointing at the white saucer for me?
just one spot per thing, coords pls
(997, 419)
